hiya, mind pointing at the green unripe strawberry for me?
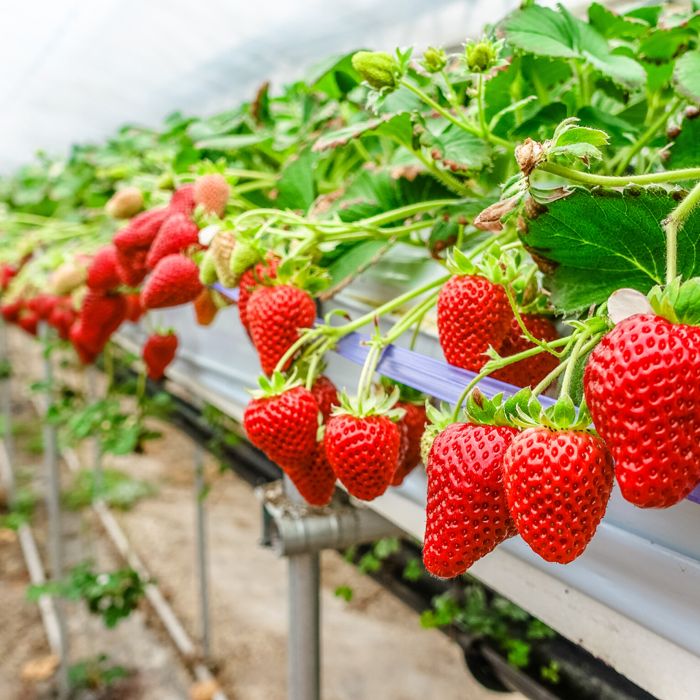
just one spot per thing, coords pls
(207, 269)
(480, 56)
(243, 257)
(434, 60)
(377, 68)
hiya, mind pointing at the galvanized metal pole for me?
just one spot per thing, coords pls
(98, 480)
(6, 391)
(53, 506)
(201, 544)
(304, 634)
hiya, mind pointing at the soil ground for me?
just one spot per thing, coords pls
(373, 647)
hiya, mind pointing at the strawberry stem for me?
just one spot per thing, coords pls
(673, 224)
(620, 180)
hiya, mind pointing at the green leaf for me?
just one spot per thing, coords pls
(353, 261)
(455, 148)
(543, 32)
(397, 127)
(344, 592)
(296, 187)
(687, 75)
(612, 25)
(592, 243)
(334, 76)
(233, 142)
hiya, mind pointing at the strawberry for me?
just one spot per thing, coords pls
(211, 192)
(205, 307)
(642, 387)
(62, 318)
(411, 427)
(275, 315)
(131, 266)
(317, 482)
(532, 370)
(467, 514)
(177, 233)
(174, 281)
(125, 203)
(140, 232)
(182, 200)
(282, 421)
(69, 276)
(362, 444)
(326, 396)
(29, 321)
(251, 279)
(100, 316)
(557, 483)
(12, 309)
(77, 337)
(158, 352)
(7, 273)
(473, 314)
(102, 274)
(42, 305)
(219, 253)
(134, 310)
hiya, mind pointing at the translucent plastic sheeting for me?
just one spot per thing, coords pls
(75, 70)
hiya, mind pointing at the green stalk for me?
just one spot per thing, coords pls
(664, 176)
(673, 224)
(251, 174)
(648, 135)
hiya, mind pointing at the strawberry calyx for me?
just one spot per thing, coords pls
(275, 385)
(377, 403)
(439, 418)
(678, 302)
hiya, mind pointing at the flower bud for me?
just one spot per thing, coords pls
(480, 56)
(377, 68)
(434, 60)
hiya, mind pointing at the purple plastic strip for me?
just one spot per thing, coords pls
(426, 374)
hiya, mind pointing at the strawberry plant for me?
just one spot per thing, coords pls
(544, 181)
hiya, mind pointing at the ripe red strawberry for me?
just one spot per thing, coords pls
(467, 514)
(362, 451)
(29, 321)
(42, 305)
(642, 387)
(472, 314)
(62, 318)
(11, 310)
(531, 371)
(103, 275)
(174, 281)
(158, 352)
(211, 192)
(411, 427)
(283, 425)
(253, 278)
(205, 308)
(131, 266)
(134, 310)
(558, 484)
(326, 395)
(77, 337)
(140, 232)
(182, 200)
(317, 482)
(177, 233)
(275, 315)
(100, 316)
(7, 273)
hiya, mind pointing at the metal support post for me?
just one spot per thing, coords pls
(304, 634)
(201, 544)
(53, 505)
(6, 391)
(97, 480)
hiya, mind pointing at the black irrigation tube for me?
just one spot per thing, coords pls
(582, 675)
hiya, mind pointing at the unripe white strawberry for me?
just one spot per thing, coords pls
(125, 203)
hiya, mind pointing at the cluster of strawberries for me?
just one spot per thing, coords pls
(474, 314)
(148, 265)
(315, 441)
(551, 483)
